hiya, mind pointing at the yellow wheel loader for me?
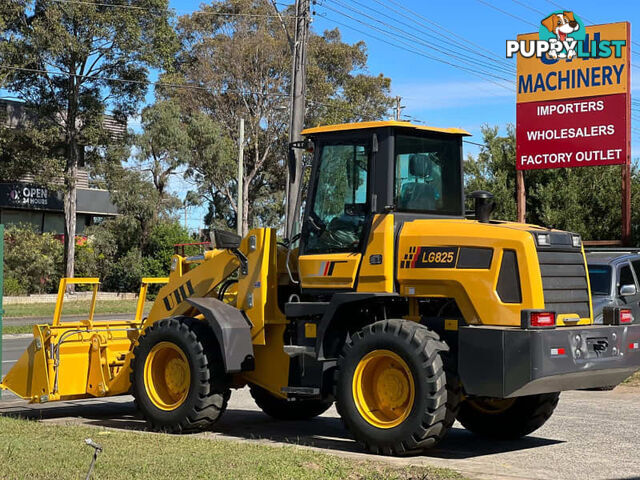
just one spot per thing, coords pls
(390, 303)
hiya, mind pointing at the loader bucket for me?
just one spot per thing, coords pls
(29, 377)
(77, 359)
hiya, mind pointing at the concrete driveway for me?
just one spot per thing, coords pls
(593, 435)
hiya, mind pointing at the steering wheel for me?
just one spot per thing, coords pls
(316, 222)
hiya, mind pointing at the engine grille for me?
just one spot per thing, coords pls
(564, 276)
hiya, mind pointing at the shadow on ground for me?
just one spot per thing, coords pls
(321, 432)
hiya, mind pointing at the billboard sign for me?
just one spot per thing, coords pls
(573, 94)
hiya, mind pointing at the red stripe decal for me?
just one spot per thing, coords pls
(326, 268)
(415, 257)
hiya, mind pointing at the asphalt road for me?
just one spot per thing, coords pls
(593, 435)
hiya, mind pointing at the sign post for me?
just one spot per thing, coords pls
(573, 101)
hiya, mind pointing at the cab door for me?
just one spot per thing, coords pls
(625, 277)
(336, 216)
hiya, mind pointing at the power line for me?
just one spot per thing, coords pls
(518, 2)
(197, 12)
(440, 28)
(464, 46)
(475, 143)
(139, 82)
(418, 52)
(506, 13)
(465, 58)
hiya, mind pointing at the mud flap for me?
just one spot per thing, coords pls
(232, 330)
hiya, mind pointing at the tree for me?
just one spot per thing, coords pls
(69, 62)
(585, 200)
(239, 66)
(163, 147)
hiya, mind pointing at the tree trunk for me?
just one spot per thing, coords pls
(70, 210)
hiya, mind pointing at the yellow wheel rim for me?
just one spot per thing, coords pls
(167, 376)
(383, 389)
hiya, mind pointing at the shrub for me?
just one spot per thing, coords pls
(32, 261)
(12, 286)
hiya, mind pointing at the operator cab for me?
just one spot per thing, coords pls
(364, 169)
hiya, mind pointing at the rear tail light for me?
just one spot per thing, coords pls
(537, 319)
(616, 316)
(543, 319)
(625, 316)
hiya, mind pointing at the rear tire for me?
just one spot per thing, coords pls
(283, 409)
(507, 418)
(177, 378)
(391, 388)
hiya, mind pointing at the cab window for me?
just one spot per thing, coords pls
(427, 175)
(626, 277)
(600, 279)
(339, 205)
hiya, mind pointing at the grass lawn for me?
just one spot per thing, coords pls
(77, 307)
(33, 450)
(15, 329)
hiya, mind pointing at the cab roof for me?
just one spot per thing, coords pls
(340, 127)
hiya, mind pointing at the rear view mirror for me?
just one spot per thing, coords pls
(627, 290)
(355, 209)
(292, 165)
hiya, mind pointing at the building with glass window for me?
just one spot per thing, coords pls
(24, 201)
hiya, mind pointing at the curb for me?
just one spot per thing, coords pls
(14, 336)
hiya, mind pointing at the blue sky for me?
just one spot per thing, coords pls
(435, 93)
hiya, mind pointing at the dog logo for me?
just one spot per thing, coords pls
(562, 36)
(562, 26)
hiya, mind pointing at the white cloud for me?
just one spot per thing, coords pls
(451, 94)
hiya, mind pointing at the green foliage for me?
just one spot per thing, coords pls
(494, 170)
(251, 79)
(584, 200)
(159, 249)
(114, 253)
(162, 148)
(69, 62)
(12, 286)
(32, 262)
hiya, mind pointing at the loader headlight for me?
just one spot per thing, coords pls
(576, 241)
(544, 239)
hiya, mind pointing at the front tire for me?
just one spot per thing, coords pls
(509, 418)
(177, 378)
(283, 409)
(391, 388)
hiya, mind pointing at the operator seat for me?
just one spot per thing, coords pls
(419, 194)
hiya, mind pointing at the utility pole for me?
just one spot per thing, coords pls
(185, 214)
(298, 88)
(240, 206)
(399, 108)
